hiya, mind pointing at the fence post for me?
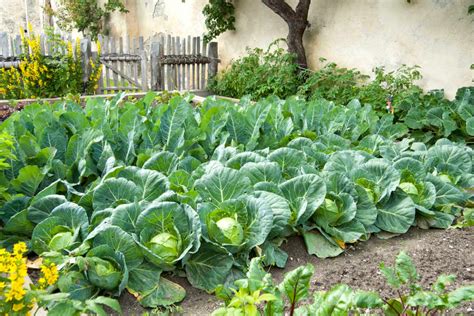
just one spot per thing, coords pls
(143, 67)
(155, 66)
(214, 60)
(86, 53)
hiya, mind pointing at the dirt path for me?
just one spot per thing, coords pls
(433, 251)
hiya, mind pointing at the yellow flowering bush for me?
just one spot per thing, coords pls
(40, 76)
(96, 71)
(16, 298)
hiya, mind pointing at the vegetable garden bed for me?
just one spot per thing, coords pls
(122, 194)
(434, 252)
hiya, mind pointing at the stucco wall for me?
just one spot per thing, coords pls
(13, 15)
(437, 35)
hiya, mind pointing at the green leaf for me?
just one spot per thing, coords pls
(446, 193)
(280, 210)
(405, 268)
(305, 194)
(365, 299)
(319, 246)
(56, 137)
(171, 132)
(273, 256)
(390, 275)
(19, 224)
(28, 180)
(460, 295)
(208, 268)
(377, 176)
(113, 192)
(296, 283)
(287, 158)
(62, 308)
(163, 161)
(336, 301)
(125, 216)
(152, 289)
(76, 284)
(259, 221)
(120, 241)
(470, 126)
(396, 214)
(110, 302)
(41, 208)
(222, 185)
(165, 293)
(262, 172)
(150, 182)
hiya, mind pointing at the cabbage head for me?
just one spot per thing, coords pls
(237, 225)
(225, 228)
(165, 245)
(103, 274)
(64, 229)
(167, 232)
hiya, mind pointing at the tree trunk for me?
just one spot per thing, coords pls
(297, 21)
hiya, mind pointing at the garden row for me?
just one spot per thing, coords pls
(430, 115)
(120, 192)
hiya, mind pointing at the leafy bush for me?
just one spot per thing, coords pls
(120, 193)
(87, 16)
(259, 74)
(333, 83)
(342, 85)
(40, 76)
(258, 294)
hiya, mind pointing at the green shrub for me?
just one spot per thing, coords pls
(333, 83)
(342, 85)
(40, 76)
(259, 74)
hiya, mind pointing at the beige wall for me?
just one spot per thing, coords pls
(437, 35)
(13, 15)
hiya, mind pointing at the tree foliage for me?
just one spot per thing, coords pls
(87, 16)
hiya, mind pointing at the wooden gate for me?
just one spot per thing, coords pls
(165, 63)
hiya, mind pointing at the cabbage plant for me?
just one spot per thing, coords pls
(62, 231)
(236, 225)
(167, 232)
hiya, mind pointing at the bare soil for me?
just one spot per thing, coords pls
(434, 252)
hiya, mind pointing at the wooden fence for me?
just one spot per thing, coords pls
(133, 64)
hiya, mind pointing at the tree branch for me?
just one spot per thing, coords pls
(302, 9)
(283, 9)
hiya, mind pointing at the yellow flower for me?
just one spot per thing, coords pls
(18, 307)
(9, 296)
(50, 273)
(19, 248)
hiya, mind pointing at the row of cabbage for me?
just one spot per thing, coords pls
(119, 192)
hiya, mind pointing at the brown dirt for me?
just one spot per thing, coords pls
(433, 251)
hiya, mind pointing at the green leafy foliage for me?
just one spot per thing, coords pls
(413, 299)
(429, 115)
(120, 194)
(259, 74)
(87, 16)
(257, 294)
(219, 17)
